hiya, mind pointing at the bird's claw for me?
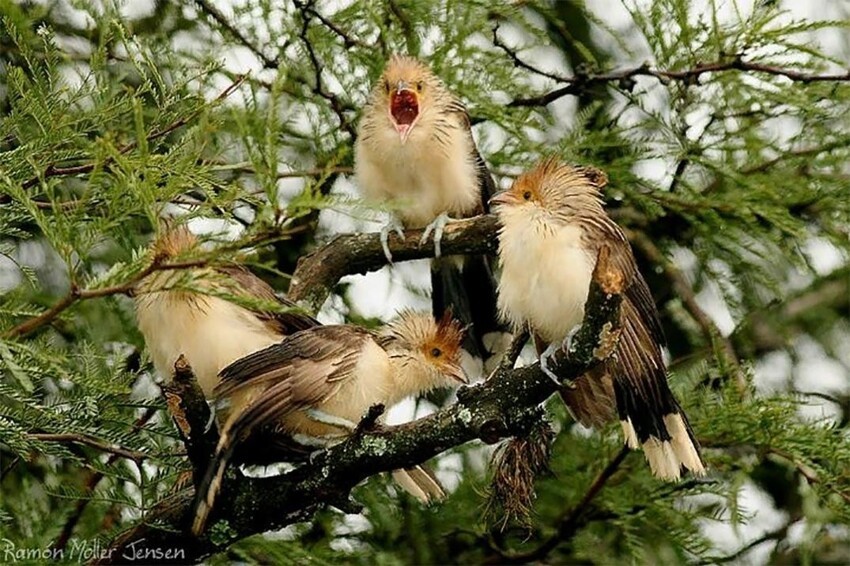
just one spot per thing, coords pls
(437, 227)
(211, 420)
(550, 351)
(394, 225)
(544, 363)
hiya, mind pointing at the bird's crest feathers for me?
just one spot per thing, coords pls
(421, 332)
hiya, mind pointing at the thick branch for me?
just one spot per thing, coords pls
(189, 409)
(489, 411)
(319, 271)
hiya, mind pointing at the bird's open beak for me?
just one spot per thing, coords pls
(456, 372)
(504, 197)
(404, 109)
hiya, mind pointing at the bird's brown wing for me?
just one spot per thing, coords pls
(301, 370)
(593, 400)
(288, 320)
(646, 406)
(486, 185)
(637, 293)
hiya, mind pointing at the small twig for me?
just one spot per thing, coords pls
(86, 440)
(315, 172)
(775, 534)
(347, 40)
(514, 350)
(215, 14)
(9, 467)
(581, 82)
(683, 289)
(336, 104)
(514, 56)
(569, 522)
(91, 484)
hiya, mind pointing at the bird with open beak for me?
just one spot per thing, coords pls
(415, 152)
(553, 225)
(317, 384)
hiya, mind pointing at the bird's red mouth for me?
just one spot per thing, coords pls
(404, 107)
(404, 110)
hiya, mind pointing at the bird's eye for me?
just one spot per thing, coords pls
(436, 352)
(418, 86)
(526, 195)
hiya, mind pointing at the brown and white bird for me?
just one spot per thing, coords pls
(187, 312)
(415, 152)
(552, 226)
(317, 384)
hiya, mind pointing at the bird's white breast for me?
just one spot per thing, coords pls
(370, 383)
(210, 332)
(422, 178)
(545, 277)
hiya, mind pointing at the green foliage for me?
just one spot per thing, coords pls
(109, 118)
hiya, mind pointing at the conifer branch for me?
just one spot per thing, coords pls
(711, 333)
(91, 483)
(54, 170)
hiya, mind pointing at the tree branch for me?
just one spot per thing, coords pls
(214, 13)
(86, 440)
(581, 82)
(683, 289)
(318, 272)
(488, 411)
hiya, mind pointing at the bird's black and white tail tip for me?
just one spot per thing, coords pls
(667, 456)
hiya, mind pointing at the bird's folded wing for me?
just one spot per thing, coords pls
(637, 291)
(486, 185)
(300, 371)
(287, 321)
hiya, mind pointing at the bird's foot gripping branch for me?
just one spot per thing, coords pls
(489, 411)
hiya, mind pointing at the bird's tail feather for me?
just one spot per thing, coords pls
(211, 484)
(420, 483)
(661, 429)
(466, 285)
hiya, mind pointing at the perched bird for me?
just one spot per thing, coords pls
(552, 226)
(317, 384)
(415, 152)
(186, 312)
